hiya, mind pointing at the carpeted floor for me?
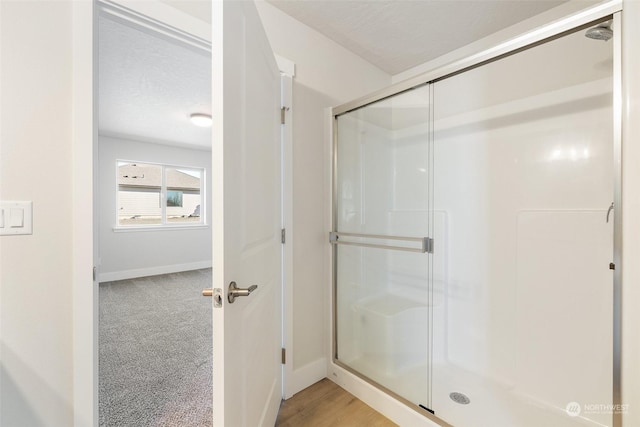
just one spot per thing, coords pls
(156, 351)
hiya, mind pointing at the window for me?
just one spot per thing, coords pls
(142, 187)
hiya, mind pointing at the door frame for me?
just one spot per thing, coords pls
(170, 23)
(84, 145)
(287, 75)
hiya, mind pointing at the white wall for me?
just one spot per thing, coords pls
(326, 75)
(127, 254)
(36, 359)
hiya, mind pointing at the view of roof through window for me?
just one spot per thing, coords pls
(142, 187)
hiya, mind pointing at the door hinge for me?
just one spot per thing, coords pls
(284, 356)
(95, 274)
(283, 236)
(612, 266)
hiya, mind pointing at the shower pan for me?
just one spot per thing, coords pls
(472, 244)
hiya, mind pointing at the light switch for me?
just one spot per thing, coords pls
(16, 218)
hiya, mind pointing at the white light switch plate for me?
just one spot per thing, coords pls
(16, 218)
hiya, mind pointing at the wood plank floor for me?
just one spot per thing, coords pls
(325, 404)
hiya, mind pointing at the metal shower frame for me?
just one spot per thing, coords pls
(611, 10)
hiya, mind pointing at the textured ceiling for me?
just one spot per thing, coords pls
(148, 86)
(396, 35)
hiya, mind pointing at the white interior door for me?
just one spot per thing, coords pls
(247, 221)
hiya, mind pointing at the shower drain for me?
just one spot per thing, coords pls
(459, 398)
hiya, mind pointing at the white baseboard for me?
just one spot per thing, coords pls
(306, 376)
(152, 271)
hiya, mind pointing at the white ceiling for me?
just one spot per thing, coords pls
(396, 35)
(148, 86)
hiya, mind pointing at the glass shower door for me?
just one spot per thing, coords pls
(382, 244)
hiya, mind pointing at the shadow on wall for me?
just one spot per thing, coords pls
(310, 139)
(24, 398)
(547, 111)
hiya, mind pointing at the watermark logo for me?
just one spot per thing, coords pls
(573, 409)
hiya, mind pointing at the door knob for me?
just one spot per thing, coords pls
(235, 291)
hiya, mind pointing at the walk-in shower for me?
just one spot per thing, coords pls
(472, 246)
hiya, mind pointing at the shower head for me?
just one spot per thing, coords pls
(600, 32)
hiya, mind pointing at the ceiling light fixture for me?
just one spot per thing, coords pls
(200, 119)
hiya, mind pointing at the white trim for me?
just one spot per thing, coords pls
(161, 18)
(135, 229)
(287, 223)
(85, 348)
(306, 376)
(286, 66)
(164, 225)
(153, 271)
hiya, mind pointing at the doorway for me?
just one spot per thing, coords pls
(153, 205)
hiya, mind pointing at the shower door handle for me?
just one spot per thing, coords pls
(235, 291)
(609, 211)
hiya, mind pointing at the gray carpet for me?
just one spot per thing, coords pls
(156, 351)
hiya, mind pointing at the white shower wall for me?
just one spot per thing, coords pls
(528, 301)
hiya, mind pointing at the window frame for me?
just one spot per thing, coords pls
(164, 223)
